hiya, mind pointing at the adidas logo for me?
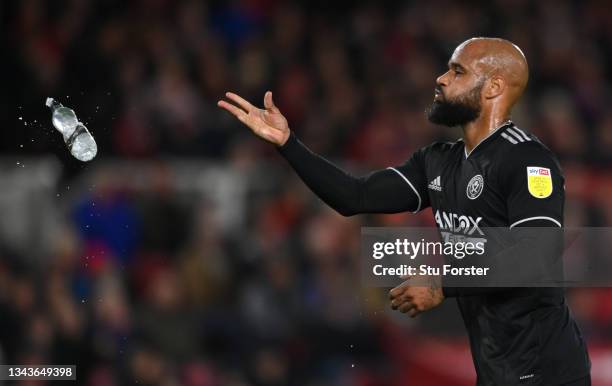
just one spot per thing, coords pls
(435, 184)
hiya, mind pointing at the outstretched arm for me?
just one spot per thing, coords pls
(383, 191)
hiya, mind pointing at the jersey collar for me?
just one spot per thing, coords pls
(507, 123)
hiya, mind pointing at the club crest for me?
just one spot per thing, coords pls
(475, 187)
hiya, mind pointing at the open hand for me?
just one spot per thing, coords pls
(267, 123)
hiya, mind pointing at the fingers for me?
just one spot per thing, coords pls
(399, 302)
(403, 301)
(399, 295)
(269, 103)
(395, 303)
(407, 306)
(237, 112)
(246, 105)
(397, 291)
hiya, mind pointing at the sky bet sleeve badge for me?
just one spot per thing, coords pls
(539, 181)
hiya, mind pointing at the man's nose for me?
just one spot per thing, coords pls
(442, 80)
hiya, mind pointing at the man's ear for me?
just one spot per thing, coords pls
(495, 87)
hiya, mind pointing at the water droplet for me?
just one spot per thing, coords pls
(353, 365)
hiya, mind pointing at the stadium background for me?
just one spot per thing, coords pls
(187, 252)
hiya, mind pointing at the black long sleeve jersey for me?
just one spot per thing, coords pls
(518, 336)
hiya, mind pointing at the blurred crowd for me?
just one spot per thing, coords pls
(155, 286)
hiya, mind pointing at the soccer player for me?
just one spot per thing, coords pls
(497, 175)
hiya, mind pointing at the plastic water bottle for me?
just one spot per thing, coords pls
(79, 140)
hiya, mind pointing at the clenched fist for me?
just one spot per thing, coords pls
(416, 299)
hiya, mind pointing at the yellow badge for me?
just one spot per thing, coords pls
(539, 181)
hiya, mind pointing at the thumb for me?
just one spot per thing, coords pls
(269, 103)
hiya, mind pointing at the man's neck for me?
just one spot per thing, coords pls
(479, 129)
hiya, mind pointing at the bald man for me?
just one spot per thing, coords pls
(496, 175)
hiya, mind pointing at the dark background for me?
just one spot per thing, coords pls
(187, 252)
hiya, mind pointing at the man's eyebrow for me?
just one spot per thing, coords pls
(455, 65)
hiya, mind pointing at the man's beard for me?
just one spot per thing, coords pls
(458, 112)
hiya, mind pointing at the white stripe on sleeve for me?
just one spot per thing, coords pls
(537, 218)
(412, 186)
